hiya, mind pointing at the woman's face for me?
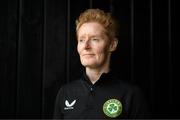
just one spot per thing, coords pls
(93, 45)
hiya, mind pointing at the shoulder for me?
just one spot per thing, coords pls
(133, 88)
(71, 86)
(125, 85)
(128, 89)
(132, 92)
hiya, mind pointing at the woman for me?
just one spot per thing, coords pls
(98, 93)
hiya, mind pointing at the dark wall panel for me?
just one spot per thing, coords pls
(8, 57)
(142, 47)
(174, 53)
(161, 38)
(55, 52)
(29, 80)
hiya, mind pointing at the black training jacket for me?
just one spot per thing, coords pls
(80, 99)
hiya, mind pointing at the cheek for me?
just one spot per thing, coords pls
(102, 52)
(78, 49)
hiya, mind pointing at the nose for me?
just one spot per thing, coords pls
(87, 45)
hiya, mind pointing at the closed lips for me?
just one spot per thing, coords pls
(88, 54)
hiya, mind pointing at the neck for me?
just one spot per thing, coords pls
(94, 73)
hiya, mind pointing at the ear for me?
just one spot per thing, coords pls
(113, 45)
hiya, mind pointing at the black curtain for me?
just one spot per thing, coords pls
(38, 52)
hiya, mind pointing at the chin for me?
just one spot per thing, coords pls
(88, 65)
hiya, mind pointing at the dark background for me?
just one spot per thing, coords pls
(38, 52)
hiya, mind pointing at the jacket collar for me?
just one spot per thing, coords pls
(104, 78)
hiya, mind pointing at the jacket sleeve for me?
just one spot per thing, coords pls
(58, 105)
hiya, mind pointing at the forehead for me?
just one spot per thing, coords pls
(91, 28)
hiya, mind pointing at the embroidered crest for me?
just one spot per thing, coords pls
(112, 108)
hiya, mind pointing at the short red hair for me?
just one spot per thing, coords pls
(101, 17)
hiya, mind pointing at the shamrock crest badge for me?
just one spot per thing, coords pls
(112, 108)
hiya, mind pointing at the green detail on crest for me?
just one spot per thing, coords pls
(112, 108)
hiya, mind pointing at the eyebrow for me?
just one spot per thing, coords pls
(93, 36)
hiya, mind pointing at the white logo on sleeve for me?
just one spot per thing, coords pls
(69, 105)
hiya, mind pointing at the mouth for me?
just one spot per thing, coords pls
(87, 55)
